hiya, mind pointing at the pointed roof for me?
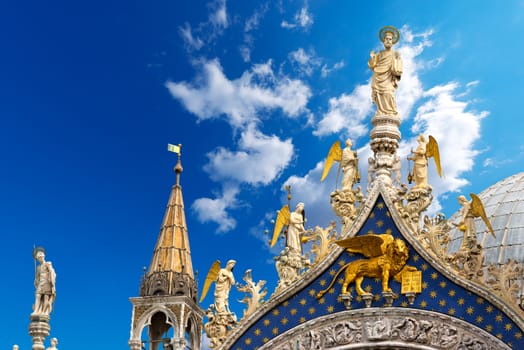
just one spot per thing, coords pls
(172, 255)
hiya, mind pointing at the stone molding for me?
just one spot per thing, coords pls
(398, 328)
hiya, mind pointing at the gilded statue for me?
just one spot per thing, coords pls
(294, 222)
(291, 261)
(348, 162)
(219, 316)
(420, 156)
(469, 211)
(387, 257)
(387, 71)
(224, 279)
(45, 279)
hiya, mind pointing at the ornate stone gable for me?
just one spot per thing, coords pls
(441, 294)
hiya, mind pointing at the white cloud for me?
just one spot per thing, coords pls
(410, 88)
(214, 210)
(495, 163)
(259, 160)
(303, 19)
(245, 52)
(192, 43)
(456, 130)
(218, 16)
(207, 31)
(214, 95)
(253, 22)
(305, 62)
(325, 70)
(347, 114)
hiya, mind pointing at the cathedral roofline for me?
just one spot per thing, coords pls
(387, 193)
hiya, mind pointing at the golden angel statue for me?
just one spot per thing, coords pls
(224, 279)
(294, 223)
(348, 161)
(420, 156)
(387, 70)
(387, 257)
(469, 211)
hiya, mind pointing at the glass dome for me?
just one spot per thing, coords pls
(504, 205)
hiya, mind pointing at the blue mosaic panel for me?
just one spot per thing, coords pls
(439, 294)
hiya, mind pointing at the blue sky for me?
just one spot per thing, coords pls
(256, 92)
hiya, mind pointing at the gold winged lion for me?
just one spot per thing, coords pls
(387, 257)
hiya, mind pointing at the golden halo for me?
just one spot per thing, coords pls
(389, 29)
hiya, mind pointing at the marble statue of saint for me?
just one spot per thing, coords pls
(45, 279)
(387, 70)
(296, 229)
(349, 165)
(54, 343)
(420, 163)
(223, 283)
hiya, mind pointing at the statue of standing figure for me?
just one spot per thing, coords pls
(45, 279)
(387, 71)
(420, 160)
(296, 229)
(349, 165)
(54, 343)
(223, 283)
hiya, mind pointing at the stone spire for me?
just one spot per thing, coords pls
(171, 269)
(167, 305)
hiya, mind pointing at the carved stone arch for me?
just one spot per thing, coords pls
(193, 327)
(145, 320)
(386, 328)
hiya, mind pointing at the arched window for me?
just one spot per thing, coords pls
(158, 334)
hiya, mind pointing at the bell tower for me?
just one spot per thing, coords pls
(166, 315)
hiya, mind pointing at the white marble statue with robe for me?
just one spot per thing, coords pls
(349, 165)
(296, 229)
(223, 283)
(420, 160)
(54, 343)
(45, 279)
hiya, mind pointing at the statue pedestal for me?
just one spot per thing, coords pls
(39, 329)
(368, 298)
(388, 298)
(135, 345)
(346, 299)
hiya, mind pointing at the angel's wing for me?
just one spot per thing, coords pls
(370, 245)
(477, 210)
(282, 220)
(433, 151)
(334, 154)
(210, 278)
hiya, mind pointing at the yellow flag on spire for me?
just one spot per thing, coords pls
(174, 148)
